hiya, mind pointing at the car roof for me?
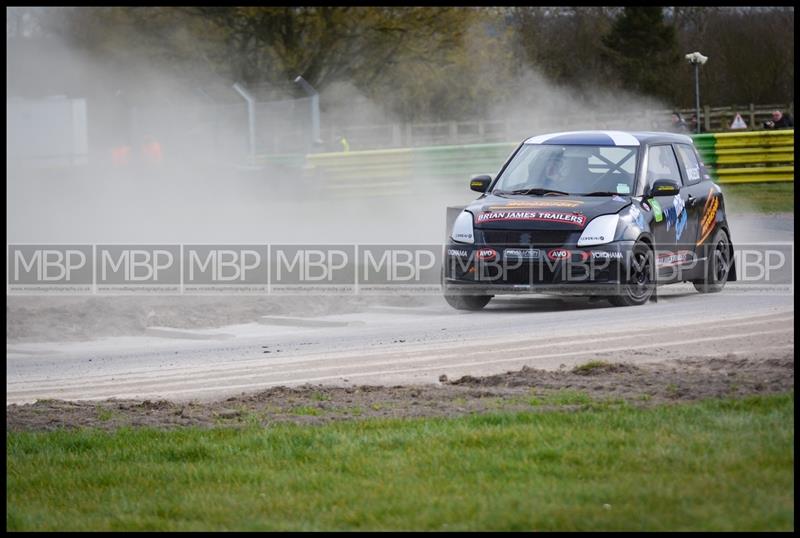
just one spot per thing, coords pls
(609, 138)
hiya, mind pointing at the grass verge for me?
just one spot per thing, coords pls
(765, 197)
(715, 465)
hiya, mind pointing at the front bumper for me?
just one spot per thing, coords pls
(511, 269)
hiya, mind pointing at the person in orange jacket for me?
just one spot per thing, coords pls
(151, 150)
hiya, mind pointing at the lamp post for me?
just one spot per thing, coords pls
(697, 59)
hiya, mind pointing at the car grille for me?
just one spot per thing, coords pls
(526, 237)
(529, 274)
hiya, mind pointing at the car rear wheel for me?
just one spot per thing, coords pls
(718, 265)
(467, 302)
(640, 284)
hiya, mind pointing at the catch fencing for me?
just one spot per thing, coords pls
(219, 131)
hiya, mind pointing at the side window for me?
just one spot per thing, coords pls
(661, 164)
(690, 163)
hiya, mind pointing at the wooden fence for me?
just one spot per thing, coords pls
(377, 136)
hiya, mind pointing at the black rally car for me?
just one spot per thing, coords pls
(599, 213)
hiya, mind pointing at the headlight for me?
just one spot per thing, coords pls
(462, 228)
(600, 230)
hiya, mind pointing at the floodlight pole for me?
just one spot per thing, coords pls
(697, 93)
(697, 59)
(314, 95)
(251, 118)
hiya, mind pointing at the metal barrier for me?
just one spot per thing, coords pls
(748, 157)
(398, 171)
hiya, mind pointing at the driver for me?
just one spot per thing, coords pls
(555, 171)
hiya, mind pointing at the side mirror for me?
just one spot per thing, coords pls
(480, 183)
(665, 187)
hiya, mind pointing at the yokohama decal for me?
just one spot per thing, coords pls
(708, 219)
(576, 219)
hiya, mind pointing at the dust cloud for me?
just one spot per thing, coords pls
(202, 192)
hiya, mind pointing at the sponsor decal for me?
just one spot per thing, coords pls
(616, 198)
(693, 173)
(708, 220)
(487, 254)
(623, 188)
(458, 253)
(674, 258)
(576, 219)
(523, 253)
(676, 216)
(680, 226)
(657, 213)
(555, 254)
(558, 254)
(537, 203)
(606, 255)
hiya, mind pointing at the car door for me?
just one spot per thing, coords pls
(697, 192)
(670, 219)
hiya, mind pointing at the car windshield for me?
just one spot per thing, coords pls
(542, 169)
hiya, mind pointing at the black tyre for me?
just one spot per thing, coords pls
(640, 283)
(467, 302)
(718, 264)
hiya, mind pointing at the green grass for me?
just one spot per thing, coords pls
(589, 367)
(716, 465)
(104, 414)
(561, 397)
(306, 410)
(764, 197)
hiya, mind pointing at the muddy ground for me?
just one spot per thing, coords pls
(529, 389)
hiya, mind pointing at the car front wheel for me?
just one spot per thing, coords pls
(640, 284)
(467, 302)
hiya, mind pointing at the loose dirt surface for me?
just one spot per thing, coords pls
(63, 319)
(591, 384)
